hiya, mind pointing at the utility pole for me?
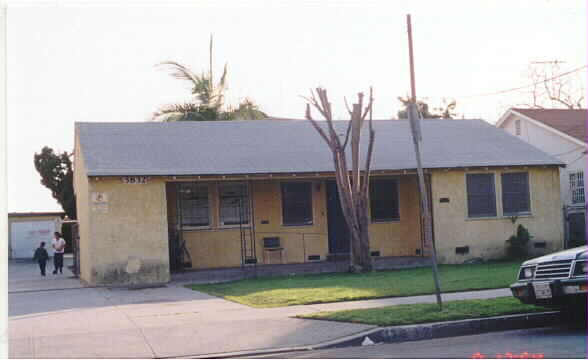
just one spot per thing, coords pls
(415, 127)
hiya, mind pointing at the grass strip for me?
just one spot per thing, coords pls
(428, 313)
(334, 287)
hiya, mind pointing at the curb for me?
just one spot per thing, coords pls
(270, 351)
(397, 334)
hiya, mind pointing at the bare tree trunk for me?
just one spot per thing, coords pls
(351, 185)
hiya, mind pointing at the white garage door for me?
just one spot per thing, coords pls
(26, 236)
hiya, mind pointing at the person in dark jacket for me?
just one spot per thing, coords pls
(41, 257)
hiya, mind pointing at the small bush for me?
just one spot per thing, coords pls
(518, 244)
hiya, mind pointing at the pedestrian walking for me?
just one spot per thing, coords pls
(59, 248)
(41, 257)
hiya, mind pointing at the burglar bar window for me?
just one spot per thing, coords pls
(481, 195)
(234, 204)
(297, 203)
(515, 193)
(194, 206)
(384, 200)
(577, 188)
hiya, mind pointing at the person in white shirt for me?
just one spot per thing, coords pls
(58, 244)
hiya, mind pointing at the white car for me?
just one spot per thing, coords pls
(557, 280)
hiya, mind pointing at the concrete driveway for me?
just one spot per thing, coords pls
(56, 317)
(25, 276)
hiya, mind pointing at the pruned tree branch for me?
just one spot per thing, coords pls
(553, 89)
(351, 186)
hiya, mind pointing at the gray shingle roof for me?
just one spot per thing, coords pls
(287, 146)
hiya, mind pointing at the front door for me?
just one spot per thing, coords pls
(337, 227)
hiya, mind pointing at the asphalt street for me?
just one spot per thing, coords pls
(568, 342)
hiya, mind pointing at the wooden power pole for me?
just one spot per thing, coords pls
(415, 127)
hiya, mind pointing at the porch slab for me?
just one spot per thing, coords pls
(203, 276)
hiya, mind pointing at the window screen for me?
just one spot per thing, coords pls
(481, 195)
(384, 200)
(515, 193)
(194, 206)
(234, 204)
(297, 203)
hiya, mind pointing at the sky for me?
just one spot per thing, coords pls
(89, 61)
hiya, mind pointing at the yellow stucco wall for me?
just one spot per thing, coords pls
(221, 247)
(123, 240)
(82, 192)
(128, 232)
(403, 237)
(486, 236)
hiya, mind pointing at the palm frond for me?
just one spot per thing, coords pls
(180, 71)
(186, 112)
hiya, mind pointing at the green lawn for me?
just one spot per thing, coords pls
(426, 313)
(322, 288)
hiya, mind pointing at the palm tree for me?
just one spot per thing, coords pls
(208, 97)
(247, 110)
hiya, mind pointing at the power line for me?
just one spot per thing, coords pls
(567, 152)
(526, 86)
(578, 158)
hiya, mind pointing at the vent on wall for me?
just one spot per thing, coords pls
(540, 245)
(418, 251)
(314, 257)
(374, 253)
(462, 250)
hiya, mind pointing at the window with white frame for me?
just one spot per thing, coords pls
(234, 204)
(194, 206)
(517, 127)
(577, 187)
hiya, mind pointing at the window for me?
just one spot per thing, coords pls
(577, 187)
(515, 193)
(297, 203)
(234, 204)
(194, 208)
(481, 195)
(518, 127)
(384, 200)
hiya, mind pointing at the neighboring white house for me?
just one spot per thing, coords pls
(561, 133)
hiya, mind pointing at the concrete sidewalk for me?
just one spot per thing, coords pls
(171, 321)
(196, 327)
(25, 276)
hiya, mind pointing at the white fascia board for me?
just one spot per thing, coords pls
(503, 118)
(546, 127)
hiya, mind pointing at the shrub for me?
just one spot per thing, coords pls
(518, 244)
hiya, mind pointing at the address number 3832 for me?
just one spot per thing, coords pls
(135, 179)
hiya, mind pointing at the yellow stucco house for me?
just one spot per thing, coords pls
(156, 197)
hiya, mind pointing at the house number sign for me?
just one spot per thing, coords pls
(135, 179)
